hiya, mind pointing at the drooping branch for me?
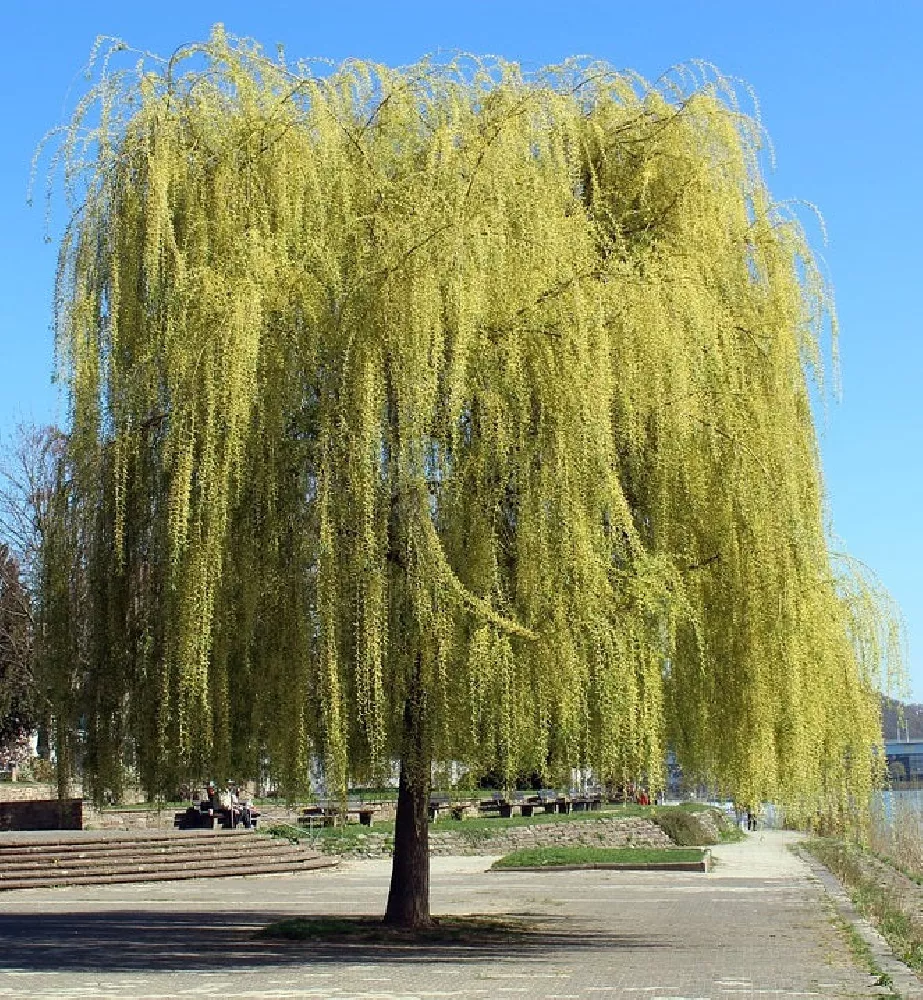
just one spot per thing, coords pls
(381, 375)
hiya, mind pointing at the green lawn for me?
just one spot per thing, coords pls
(551, 857)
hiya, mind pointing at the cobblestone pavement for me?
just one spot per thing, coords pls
(758, 926)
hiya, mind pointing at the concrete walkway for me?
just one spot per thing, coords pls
(758, 926)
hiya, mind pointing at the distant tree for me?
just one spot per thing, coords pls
(17, 689)
(901, 720)
(443, 414)
(30, 462)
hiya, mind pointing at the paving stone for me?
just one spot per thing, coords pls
(757, 926)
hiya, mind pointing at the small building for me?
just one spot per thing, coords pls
(905, 762)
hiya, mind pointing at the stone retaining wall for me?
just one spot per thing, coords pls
(28, 791)
(629, 831)
(18, 791)
(43, 814)
(127, 819)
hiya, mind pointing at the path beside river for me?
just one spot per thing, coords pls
(759, 925)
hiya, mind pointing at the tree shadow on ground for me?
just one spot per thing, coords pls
(134, 941)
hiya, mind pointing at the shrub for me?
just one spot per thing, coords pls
(684, 828)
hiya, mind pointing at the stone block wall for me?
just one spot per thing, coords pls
(27, 791)
(42, 814)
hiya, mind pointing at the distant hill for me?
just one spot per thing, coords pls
(909, 727)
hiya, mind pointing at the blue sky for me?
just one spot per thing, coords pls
(841, 96)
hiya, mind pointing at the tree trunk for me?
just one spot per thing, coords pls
(408, 898)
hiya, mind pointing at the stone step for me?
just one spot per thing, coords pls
(164, 873)
(91, 860)
(140, 862)
(98, 860)
(84, 841)
(237, 845)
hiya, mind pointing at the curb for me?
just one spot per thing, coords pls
(905, 981)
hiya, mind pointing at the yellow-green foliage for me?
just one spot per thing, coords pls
(450, 370)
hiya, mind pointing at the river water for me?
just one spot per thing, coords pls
(892, 804)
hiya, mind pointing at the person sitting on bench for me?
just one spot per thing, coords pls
(240, 812)
(246, 813)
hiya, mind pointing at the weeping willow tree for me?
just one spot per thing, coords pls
(445, 413)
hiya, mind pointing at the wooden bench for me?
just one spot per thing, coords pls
(439, 805)
(501, 806)
(204, 816)
(316, 816)
(527, 805)
(195, 818)
(366, 814)
(587, 803)
(443, 805)
(547, 799)
(331, 815)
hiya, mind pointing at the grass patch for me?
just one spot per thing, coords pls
(863, 955)
(876, 901)
(329, 838)
(444, 930)
(494, 824)
(551, 857)
(293, 833)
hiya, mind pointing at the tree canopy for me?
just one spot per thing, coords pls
(449, 389)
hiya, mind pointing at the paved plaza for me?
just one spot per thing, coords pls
(759, 925)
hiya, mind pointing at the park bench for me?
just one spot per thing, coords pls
(501, 806)
(205, 816)
(551, 800)
(322, 815)
(587, 803)
(365, 814)
(525, 805)
(316, 816)
(196, 818)
(547, 800)
(439, 805)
